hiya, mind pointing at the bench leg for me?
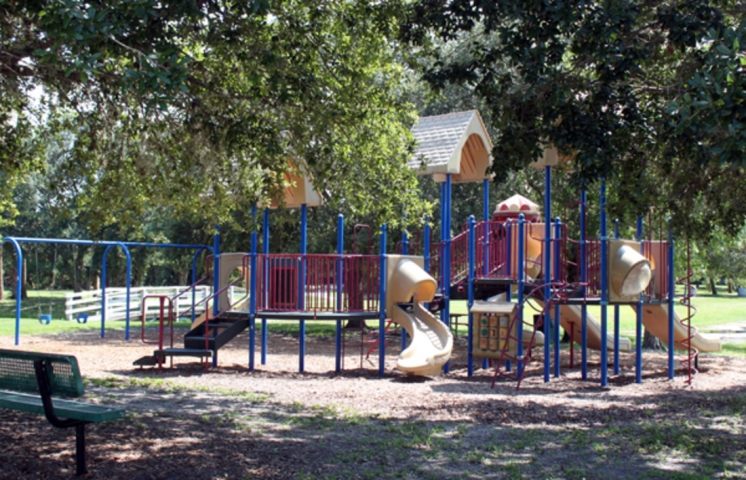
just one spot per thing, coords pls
(80, 449)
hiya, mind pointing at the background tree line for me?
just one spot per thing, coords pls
(155, 120)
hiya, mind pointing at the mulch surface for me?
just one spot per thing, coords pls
(174, 434)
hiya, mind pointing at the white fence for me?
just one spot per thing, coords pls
(89, 302)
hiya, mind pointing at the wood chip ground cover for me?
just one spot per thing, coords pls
(278, 423)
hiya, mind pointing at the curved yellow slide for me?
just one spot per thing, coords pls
(431, 341)
(655, 319)
(571, 322)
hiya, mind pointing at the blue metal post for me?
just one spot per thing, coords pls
(486, 240)
(604, 289)
(508, 271)
(252, 291)
(340, 282)
(302, 282)
(486, 218)
(382, 305)
(547, 267)
(671, 294)
(556, 331)
(216, 283)
(584, 289)
(521, 266)
(404, 251)
(441, 246)
(194, 280)
(638, 326)
(66, 241)
(265, 250)
(616, 315)
(426, 245)
(446, 260)
(216, 269)
(127, 295)
(19, 284)
(470, 327)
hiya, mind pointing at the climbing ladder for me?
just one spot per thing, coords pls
(690, 362)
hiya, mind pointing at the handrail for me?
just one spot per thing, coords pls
(244, 265)
(192, 287)
(162, 300)
(207, 298)
(225, 288)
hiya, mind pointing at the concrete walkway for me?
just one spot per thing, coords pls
(734, 332)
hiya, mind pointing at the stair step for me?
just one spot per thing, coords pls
(200, 338)
(183, 352)
(146, 361)
(235, 315)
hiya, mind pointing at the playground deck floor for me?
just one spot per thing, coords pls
(278, 423)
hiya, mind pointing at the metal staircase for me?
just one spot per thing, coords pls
(220, 331)
(204, 339)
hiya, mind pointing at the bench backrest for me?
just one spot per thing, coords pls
(17, 373)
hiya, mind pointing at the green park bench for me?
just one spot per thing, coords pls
(28, 380)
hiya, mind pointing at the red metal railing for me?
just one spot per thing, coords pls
(564, 263)
(492, 239)
(308, 283)
(459, 258)
(491, 250)
(165, 318)
(593, 266)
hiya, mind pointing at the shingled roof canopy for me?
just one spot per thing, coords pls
(456, 144)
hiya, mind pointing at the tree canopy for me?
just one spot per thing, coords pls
(194, 108)
(649, 95)
(199, 105)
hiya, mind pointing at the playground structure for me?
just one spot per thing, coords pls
(509, 255)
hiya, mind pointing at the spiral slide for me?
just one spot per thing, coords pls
(431, 341)
(655, 319)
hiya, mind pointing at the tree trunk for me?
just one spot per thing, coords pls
(713, 287)
(76, 287)
(652, 342)
(2, 276)
(24, 278)
(184, 278)
(54, 269)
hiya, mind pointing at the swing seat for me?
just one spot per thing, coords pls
(45, 318)
(82, 318)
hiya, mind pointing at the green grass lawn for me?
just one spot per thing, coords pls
(711, 310)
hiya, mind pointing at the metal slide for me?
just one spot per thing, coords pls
(571, 322)
(655, 319)
(431, 341)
